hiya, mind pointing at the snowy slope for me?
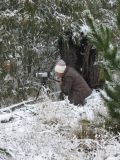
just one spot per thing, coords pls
(46, 131)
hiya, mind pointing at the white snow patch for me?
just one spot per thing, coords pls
(112, 2)
(5, 117)
(85, 28)
(44, 131)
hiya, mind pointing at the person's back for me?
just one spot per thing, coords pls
(74, 86)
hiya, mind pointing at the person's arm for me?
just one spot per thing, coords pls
(66, 85)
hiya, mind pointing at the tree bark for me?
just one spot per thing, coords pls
(83, 58)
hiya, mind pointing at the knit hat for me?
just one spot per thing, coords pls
(60, 66)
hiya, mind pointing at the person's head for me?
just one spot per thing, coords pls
(60, 68)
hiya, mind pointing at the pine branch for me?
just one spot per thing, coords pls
(103, 38)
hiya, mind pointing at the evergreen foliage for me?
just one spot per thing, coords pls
(29, 32)
(106, 41)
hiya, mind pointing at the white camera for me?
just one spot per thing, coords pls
(42, 74)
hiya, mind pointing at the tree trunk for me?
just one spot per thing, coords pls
(83, 58)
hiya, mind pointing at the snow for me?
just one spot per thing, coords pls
(112, 2)
(9, 13)
(85, 29)
(5, 117)
(8, 77)
(46, 131)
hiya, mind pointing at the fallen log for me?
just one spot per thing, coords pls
(16, 106)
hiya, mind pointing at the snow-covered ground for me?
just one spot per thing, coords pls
(49, 131)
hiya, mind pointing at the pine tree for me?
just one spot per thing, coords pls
(106, 41)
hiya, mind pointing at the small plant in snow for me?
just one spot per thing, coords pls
(5, 151)
(85, 130)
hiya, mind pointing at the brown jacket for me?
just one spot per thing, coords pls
(74, 86)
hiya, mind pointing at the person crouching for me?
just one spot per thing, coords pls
(72, 83)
